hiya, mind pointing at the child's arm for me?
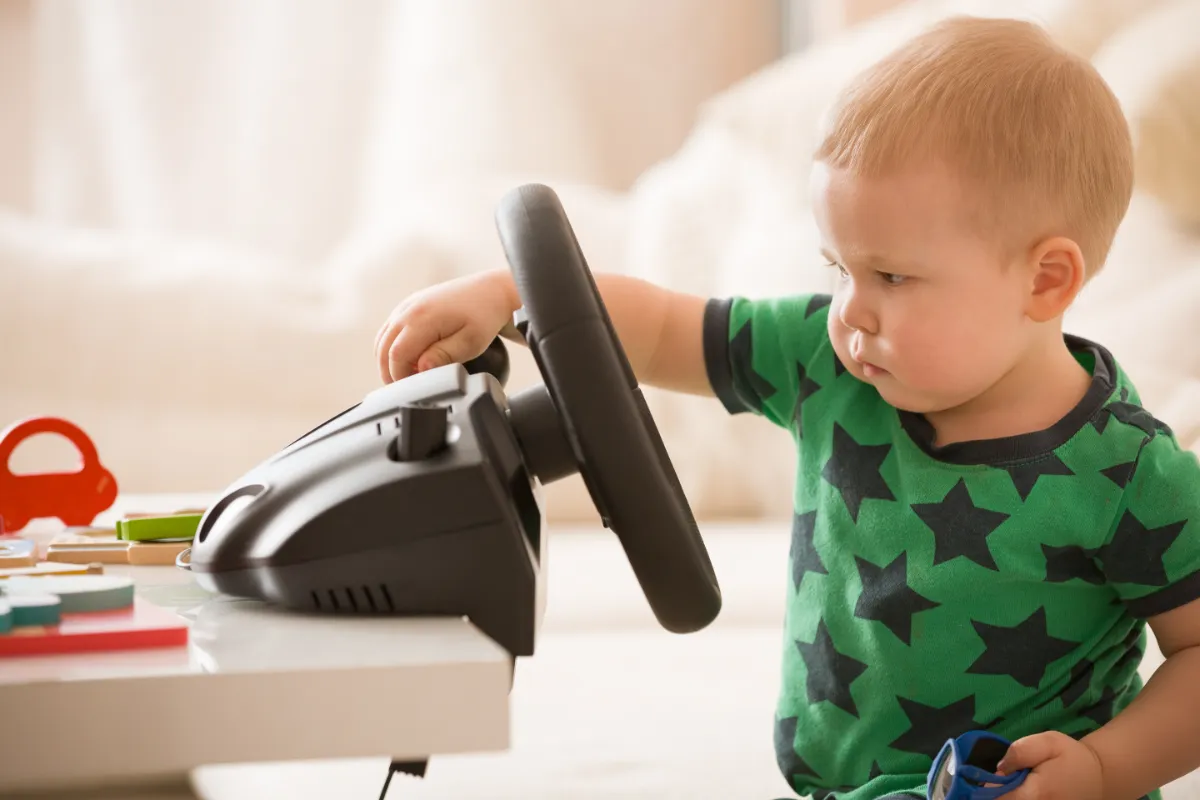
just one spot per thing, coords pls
(660, 330)
(1152, 561)
(1156, 739)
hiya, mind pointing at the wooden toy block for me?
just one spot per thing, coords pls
(75, 498)
(34, 609)
(100, 531)
(179, 527)
(156, 553)
(45, 568)
(83, 540)
(17, 553)
(176, 513)
(77, 593)
(97, 553)
(141, 625)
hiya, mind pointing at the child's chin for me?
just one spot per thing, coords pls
(903, 398)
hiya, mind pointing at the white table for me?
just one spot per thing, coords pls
(254, 684)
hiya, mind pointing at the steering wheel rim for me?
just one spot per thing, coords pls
(617, 446)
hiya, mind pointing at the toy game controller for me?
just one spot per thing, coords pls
(424, 498)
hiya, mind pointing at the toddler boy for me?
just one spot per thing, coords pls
(985, 517)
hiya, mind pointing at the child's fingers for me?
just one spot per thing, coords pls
(389, 323)
(454, 349)
(383, 346)
(406, 348)
(1029, 751)
(1030, 789)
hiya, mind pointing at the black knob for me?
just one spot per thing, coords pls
(493, 361)
(422, 433)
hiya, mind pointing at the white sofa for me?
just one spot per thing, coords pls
(189, 360)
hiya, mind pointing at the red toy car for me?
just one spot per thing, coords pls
(73, 497)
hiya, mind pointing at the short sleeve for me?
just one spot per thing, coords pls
(760, 353)
(1152, 555)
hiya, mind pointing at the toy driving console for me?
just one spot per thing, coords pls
(966, 769)
(424, 498)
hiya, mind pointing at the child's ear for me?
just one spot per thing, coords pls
(1057, 274)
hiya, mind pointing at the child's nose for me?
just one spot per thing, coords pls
(855, 312)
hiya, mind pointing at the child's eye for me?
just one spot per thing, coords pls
(841, 270)
(891, 279)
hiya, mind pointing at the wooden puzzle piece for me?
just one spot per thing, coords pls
(17, 553)
(75, 540)
(75, 498)
(78, 593)
(176, 526)
(156, 553)
(95, 531)
(44, 568)
(176, 513)
(141, 625)
(34, 609)
(96, 553)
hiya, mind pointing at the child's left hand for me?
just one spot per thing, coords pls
(1063, 768)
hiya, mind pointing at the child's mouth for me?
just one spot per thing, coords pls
(872, 371)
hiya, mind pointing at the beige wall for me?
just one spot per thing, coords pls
(16, 96)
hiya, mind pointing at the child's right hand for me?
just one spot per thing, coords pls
(450, 323)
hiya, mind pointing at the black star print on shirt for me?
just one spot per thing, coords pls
(853, 469)
(804, 554)
(816, 303)
(1135, 554)
(960, 528)
(1025, 475)
(1066, 563)
(790, 763)
(1077, 685)
(753, 388)
(1119, 473)
(1131, 659)
(1079, 682)
(830, 673)
(1022, 652)
(806, 387)
(886, 596)
(1101, 712)
(931, 727)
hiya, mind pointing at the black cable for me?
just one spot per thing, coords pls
(414, 768)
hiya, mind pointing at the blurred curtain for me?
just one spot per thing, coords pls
(279, 126)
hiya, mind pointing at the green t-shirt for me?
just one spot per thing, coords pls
(999, 584)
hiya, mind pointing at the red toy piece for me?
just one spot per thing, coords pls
(73, 497)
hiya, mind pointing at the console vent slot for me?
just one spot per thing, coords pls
(356, 599)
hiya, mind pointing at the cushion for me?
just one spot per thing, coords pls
(778, 109)
(1154, 69)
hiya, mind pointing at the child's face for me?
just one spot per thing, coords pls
(925, 308)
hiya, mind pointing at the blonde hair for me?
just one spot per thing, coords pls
(1003, 107)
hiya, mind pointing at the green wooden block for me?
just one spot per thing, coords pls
(149, 529)
(6, 617)
(35, 609)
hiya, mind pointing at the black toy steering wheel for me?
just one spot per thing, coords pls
(603, 414)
